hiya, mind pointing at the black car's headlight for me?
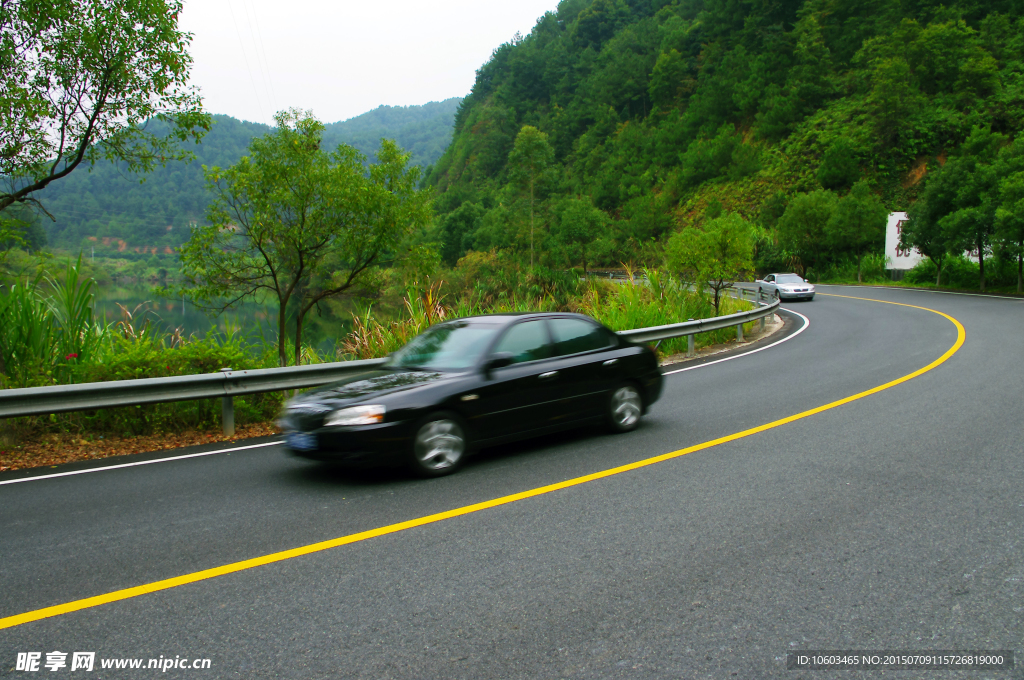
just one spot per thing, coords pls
(370, 414)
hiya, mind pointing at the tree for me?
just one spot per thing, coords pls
(858, 223)
(1009, 232)
(960, 200)
(1010, 221)
(801, 229)
(299, 223)
(457, 230)
(716, 255)
(580, 223)
(975, 179)
(79, 80)
(923, 232)
(529, 163)
(20, 228)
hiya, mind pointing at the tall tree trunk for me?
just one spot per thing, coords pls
(938, 272)
(583, 248)
(298, 336)
(1020, 272)
(860, 256)
(282, 358)
(531, 224)
(981, 262)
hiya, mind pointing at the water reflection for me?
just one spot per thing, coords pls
(257, 321)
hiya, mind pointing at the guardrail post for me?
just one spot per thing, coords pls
(762, 324)
(689, 345)
(227, 411)
(739, 332)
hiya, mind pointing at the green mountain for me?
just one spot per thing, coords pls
(114, 211)
(663, 112)
(424, 131)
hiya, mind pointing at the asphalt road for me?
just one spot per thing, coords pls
(893, 522)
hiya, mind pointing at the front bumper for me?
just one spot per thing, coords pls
(357, 446)
(802, 295)
(652, 388)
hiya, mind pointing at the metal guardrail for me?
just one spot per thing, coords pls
(227, 384)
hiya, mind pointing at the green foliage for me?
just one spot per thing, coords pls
(20, 228)
(79, 80)
(457, 231)
(579, 225)
(716, 255)
(529, 165)
(839, 167)
(801, 228)
(493, 288)
(1010, 216)
(960, 208)
(858, 223)
(301, 224)
(113, 203)
(49, 335)
(424, 131)
(655, 109)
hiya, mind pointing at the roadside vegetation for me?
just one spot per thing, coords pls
(50, 335)
(691, 143)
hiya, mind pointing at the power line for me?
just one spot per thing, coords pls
(241, 44)
(260, 48)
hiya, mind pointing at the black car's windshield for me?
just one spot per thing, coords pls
(446, 347)
(788, 278)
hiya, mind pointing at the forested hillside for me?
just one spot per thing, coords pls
(423, 131)
(112, 210)
(662, 114)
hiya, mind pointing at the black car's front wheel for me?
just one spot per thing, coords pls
(625, 408)
(440, 445)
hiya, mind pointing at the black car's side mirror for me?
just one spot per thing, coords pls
(498, 360)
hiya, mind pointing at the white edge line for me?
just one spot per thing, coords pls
(256, 446)
(807, 322)
(141, 462)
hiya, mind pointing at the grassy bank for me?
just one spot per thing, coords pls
(49, 335)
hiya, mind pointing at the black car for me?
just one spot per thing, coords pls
(474, 382)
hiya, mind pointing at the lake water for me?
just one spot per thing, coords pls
(254, 319)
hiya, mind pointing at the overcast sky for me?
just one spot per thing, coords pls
(255, 57)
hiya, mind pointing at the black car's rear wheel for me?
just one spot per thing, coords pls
(625, 406)
(440, 445)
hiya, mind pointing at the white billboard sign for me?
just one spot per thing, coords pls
(898, 257)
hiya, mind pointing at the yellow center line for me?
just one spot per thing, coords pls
(165, 584)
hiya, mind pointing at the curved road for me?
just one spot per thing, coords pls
(895, 521)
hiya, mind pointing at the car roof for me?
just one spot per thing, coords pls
(509, 317)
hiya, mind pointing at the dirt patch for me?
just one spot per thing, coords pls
(917, 172)
(49, 450)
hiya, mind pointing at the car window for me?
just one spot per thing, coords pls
(790, 278)
(527, 341)
(452, 346)
(576, 335)
(769, 279)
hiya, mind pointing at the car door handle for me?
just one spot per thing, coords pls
(611, 362)
(549, 374)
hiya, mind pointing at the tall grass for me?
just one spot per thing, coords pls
(47, 329)
(49, 335)
(659, 300)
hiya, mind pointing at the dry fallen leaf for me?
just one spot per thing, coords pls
(48, 449)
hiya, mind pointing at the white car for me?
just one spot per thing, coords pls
(785, 287)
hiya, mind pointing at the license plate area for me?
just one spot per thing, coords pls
(300, 441)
